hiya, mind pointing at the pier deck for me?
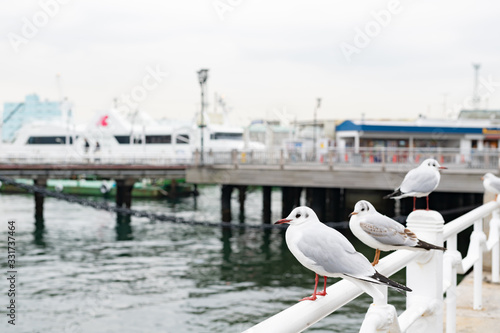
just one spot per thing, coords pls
(485, 320)
(319, 175)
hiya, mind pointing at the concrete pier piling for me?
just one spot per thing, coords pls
(242, 193)
(266, 204)
(124, 189)
(39, 198)
(226, 193)
(316, 199)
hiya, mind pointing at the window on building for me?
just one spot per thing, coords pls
(122, 139)
(226, 136)
(158, 139)
(182, 139)
(48, 140)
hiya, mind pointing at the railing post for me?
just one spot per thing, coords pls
(425, 274)
(196, 157)
(477, 234)
(330, 159)
(495, 250)
(383, 158)
(234, 158)
(282, 158)
(451, 258)
(380, 317)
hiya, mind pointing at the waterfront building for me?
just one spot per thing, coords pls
(18, 114)
(465, 134)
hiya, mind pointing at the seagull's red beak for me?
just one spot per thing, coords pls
(482, 178)
(282, 221)
(353, 213)
(442, 167)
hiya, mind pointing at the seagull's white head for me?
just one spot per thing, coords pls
(488, 175)
(433, 164)
(362, 208)
(299, 215)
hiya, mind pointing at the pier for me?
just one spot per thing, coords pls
(330, 182)
(336, 180)
(125, 175)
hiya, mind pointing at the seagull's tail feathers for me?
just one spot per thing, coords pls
(428, 246)
(380, 279)
(394, 195)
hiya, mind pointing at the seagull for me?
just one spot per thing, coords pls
(383, 233)
(419, 182)
(491, 183)
(327, 252)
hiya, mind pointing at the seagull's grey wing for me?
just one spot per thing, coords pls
(332, 251)
(387, 231)
(420, 180)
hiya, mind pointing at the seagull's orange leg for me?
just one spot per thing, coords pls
(427, 198)
(322, 293)
(377, 257)
(313, 296)
(414, 202)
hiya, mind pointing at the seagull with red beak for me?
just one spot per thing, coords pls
(327, 252)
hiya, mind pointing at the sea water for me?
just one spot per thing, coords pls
(85, 270)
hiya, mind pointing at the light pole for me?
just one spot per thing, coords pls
(202, 78)
(314, 127)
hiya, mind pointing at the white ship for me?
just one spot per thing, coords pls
(113, 136)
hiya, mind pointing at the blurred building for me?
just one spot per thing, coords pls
(479, 114)
(17, 114)
(269, 132)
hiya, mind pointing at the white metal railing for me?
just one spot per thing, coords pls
(365, 157)
(429, 274)
(335, 157)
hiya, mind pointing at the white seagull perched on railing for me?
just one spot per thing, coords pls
(419, 182)
(491, 183)
(327, 252)
(383, 233)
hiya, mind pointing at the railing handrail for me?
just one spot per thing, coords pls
(486, 158)
(304, 314)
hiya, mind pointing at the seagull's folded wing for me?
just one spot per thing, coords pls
(331, 251)
(420, 180)
(387, 231)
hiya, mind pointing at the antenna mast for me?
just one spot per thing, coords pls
(476, 100)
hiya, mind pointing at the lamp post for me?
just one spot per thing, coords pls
(202, 78)
(318, 104)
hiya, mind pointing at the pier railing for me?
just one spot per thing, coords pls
(429, 274)
(380, 157)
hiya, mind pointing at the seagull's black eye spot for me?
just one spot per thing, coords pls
(362, 209)
(297, 216)
(434, 164)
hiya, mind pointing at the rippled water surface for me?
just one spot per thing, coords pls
(89, 271)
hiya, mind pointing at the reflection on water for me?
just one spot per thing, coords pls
(123, 227)
(38, 231)
(92, 271)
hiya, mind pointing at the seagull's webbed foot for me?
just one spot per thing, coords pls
(310, 298)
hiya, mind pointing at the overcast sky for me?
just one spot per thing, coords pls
(387, 59)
